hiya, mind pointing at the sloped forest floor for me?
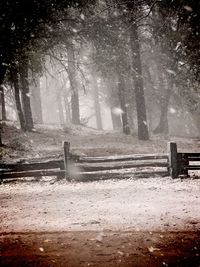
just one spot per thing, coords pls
(128, 222)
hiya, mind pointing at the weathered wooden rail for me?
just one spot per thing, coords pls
(118, 166)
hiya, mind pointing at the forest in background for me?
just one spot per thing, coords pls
(130, 66)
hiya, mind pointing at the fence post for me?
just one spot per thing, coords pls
(173, 159)
(66, 147)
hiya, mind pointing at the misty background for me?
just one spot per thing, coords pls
(127, 66)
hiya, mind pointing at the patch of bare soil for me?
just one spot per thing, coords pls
(76, 249)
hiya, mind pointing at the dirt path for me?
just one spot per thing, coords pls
(76, 249)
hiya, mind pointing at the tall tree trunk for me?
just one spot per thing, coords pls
(36, 102)
(74, 84)
(96, 102)
(3, 104)
(26, 94)
(143, 133)
(122, 100)
(15, 82)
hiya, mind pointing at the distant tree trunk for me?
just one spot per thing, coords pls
(130, 104)
(1, 143)
(150, 85)
(122, 100)
(60, 108)
(2, 74)
(15, 82)
(36, 101)
(196, 120)
(96, 102)
(114, 102)
(67, 110)
(116, 121)
(143, 133)
(3, 104)
(74, 84)
(26, 94)
(163, 126)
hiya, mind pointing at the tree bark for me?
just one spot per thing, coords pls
(74, 84)
(96, 102)
(26, 94)
(143, 133)
(15, 82)
(122, 100)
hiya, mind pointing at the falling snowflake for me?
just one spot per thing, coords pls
(82, 16)
(172, 110)
(117, 111)
(13, 27)
(171, 71)
(188, 8)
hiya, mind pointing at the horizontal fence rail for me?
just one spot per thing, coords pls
(124, 165)
(51, 164)
(122, 158)
(58, 173)
(92, 168)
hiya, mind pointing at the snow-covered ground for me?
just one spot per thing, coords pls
(153, 204)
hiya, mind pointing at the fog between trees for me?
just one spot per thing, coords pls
(130, 66)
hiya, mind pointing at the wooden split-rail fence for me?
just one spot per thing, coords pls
(72, 166)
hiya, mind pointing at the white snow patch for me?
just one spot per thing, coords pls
(153, 204)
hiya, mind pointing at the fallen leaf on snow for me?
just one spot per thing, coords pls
(152, 249)
(47, 240)
(120, 252)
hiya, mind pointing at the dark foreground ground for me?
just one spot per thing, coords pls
(75, 249)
